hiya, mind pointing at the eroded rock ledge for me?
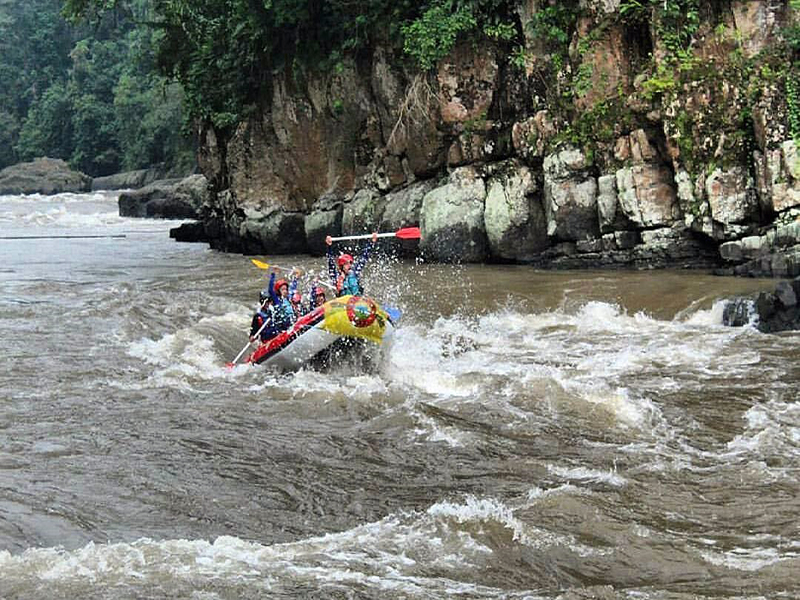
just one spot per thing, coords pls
(479, 154)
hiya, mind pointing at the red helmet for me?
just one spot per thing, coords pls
(319, 291)
(278, 285)
(344, 258)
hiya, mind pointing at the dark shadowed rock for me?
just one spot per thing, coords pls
(770, 312)
(324, 219)
(43, 176)
(194, 231)
(166, 199)
(131, 180)
(737, 312)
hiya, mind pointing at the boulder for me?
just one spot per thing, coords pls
(167, 199)
(516, 226)
(275, 232)
(647, 195)
(362, 214)
(570, 196)
(43, 176)
(324, 219)
(451, 219)
(769, 312)
(402, 207)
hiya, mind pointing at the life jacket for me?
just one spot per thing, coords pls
(264, 315)
(284, 314)
(348, 285)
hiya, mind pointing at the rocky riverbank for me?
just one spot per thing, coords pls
(616, 155)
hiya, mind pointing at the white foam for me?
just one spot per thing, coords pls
(748, 559)
(772, 428)
(591, 475)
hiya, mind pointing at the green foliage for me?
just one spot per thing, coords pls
(60, 93)
(47, 131)
(225, 52)
(793, 102)
(9, 130)
(659, 84)
(431, 37)
(553, 24)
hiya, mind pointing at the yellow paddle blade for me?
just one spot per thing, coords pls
(259, 264)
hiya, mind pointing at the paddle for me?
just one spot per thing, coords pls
(407, 233)
(266, 266)
(232, 364)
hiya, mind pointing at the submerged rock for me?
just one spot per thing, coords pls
(769, 312)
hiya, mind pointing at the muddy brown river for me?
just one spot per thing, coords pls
(524, 435)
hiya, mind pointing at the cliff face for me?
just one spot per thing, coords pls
(634, 146)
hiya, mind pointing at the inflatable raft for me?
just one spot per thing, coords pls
(348, 319)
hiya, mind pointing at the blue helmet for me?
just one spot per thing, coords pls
(263, 295)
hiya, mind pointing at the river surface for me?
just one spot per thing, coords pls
(526, 434)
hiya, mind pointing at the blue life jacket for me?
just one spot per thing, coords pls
(349, 284)
(270, 330)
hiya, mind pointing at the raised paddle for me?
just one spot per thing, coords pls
(407, 233)
(265, 266)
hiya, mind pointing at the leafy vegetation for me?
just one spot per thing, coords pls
(89, 94)
(225, 52)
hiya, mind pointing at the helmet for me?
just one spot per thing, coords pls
(278, 284)
(318, 291)
(263, 296)
(344, 258)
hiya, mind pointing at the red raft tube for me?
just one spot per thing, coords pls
(354, 318)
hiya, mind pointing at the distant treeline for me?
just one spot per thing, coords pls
(90, 92)
(225, 53)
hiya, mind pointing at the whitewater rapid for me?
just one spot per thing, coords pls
(524, 435)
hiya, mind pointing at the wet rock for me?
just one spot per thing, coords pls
(771, 312)
(738, 312)
(194, 231)
(451, 219)
(43, 176)
(276, 232)
(570, 196)
(167, 199)
(786, 294)
(363, 213)
(515, 222)
(324, 219)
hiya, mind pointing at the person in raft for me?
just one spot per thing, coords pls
(344, 273)
(316, 297)
(264, 314)
(280, 292)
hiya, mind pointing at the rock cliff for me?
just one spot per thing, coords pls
(634, 143)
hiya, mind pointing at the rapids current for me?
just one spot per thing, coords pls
(526, 434)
